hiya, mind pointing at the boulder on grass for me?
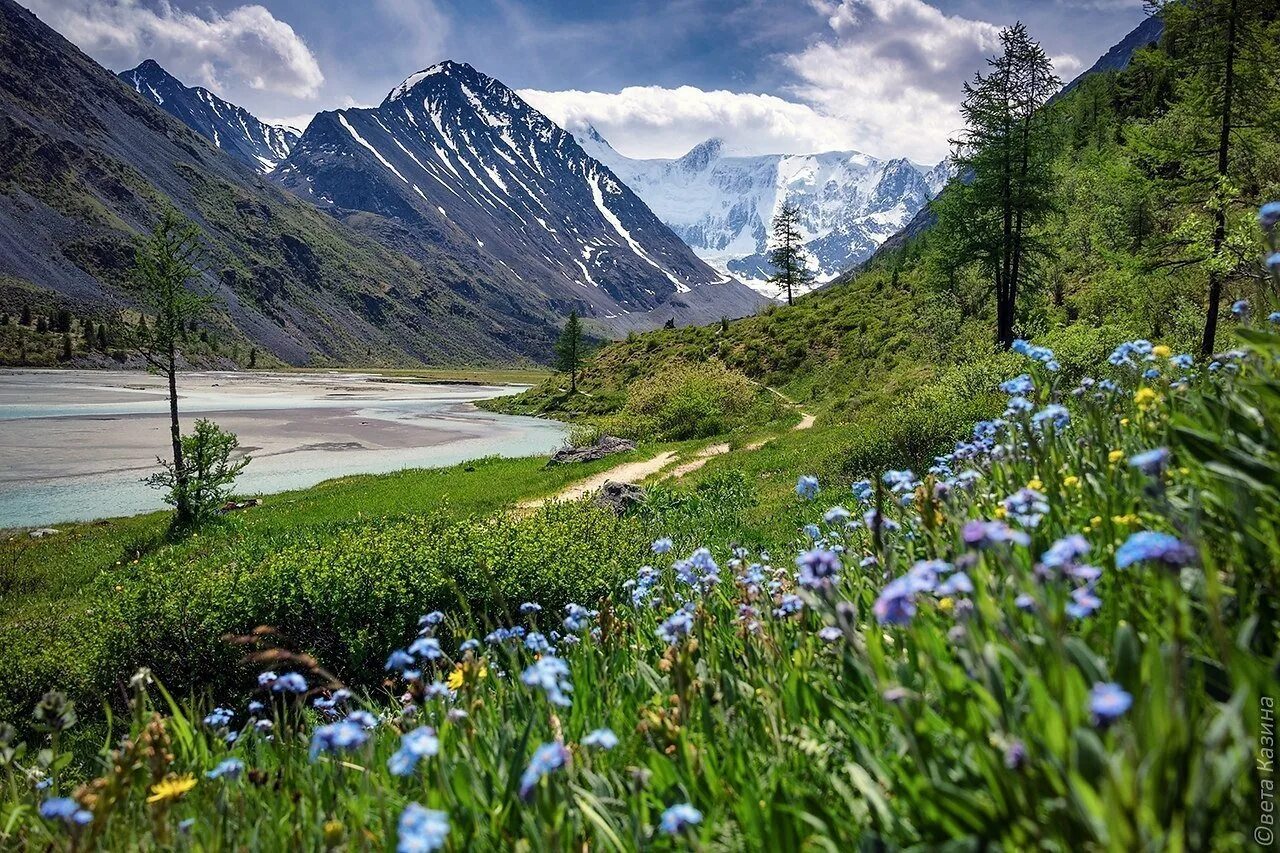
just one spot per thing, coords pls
(619, 497)
(606, 445)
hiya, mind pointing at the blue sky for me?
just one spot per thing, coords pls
(881, 76)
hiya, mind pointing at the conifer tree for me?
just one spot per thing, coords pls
(165, 262)
(26, 315)
(1219, 130)
(569, 350)
(1007, 148)
(787, 252)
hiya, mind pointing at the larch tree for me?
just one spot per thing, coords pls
(786, 253)
(164, 263)
(1217, 137)
(1004, 158)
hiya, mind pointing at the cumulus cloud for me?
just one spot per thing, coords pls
(884, 77)
(246, 46)
(892, 69)
(652, 121)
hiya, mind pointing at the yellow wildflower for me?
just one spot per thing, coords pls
(333, 832)
(1115, 456)
(1128, 519)
(1000, 511)
(946, 605)
(468, 671)
(1161, 351)
(1071, 481)
(1124, 422)
(1095, 522)
(1145, 398)
(171, 788)
(1035, 484)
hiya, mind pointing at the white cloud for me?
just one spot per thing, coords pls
(246, 46)
(421, 30)
(885, 78)
(893, 70)
(651, 121)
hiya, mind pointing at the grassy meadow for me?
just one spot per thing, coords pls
(1055, 636)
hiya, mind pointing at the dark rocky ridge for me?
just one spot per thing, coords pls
(452, 158)
(231, 128)
(86, 164)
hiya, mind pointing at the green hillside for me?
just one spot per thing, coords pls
(1123, 256)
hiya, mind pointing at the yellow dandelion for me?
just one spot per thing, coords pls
(1145, 398)
(1124, 422)
(1035, 484)
(1071, 481)
(1095, 522)
(1000, 511)
(1161, 351)
(946, 605)
(171, 788)
(1115, 456)
(456, 678)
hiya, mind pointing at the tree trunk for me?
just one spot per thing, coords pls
(1220, 215)
(183, 506)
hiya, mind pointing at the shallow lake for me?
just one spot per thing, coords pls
(76, 445)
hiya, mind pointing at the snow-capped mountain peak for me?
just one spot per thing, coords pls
(234, 129)
(701, 155)
(457, 155)
(723, 204)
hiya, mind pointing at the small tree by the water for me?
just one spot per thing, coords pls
(787, 255)
(570, 351)
(208, 475)
(199, 474)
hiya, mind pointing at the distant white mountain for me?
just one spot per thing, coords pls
(723, 205)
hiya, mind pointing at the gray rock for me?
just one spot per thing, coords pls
(45, 531)
(619, 497)
(606, 445)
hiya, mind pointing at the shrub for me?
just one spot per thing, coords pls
(210, 473)
(347, 593)
(685, 400)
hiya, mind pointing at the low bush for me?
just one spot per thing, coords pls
(344, 593)
(684, 400)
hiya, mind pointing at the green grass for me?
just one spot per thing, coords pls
(964, 721)
(53, 588)
(61, 568)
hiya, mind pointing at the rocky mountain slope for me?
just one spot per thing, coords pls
(86, 164)
(453, 158)
(229, 127)
(723, 205)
